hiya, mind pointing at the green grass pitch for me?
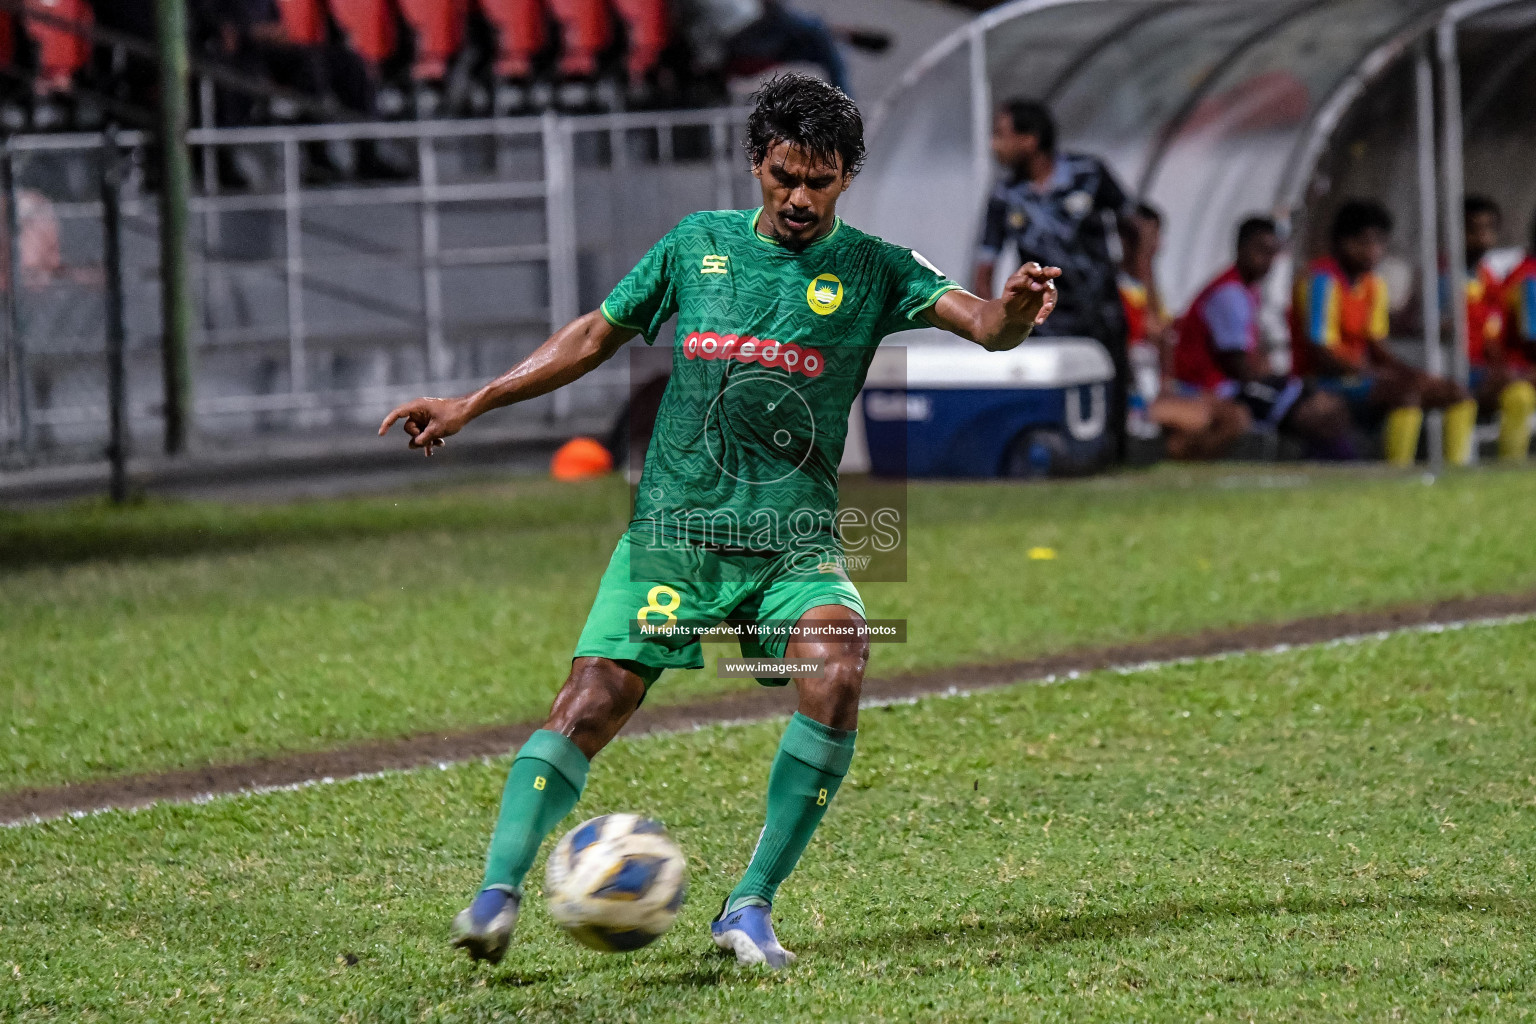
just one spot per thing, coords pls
(171, 635)
(1342, 833)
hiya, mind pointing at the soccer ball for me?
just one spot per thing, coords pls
(615, 883)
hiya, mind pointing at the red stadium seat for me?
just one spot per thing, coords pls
(646, 21)
(7, 41)
(60, 51)
(522, 30)
(586, 30)
(369, 26)
(439, 28)
(303, 21)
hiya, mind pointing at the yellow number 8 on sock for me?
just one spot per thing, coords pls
(821, 798)
(669, 610)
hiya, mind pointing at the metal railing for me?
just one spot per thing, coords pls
(318, 305)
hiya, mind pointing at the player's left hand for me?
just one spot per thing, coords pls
(1030, 293)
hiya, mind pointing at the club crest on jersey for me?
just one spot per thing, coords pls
(765, 352)
(824, 294)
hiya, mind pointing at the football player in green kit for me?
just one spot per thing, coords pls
(779, 311)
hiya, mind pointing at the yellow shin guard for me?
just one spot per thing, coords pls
(1516, 404)
(1402, 435)
(1460, 422)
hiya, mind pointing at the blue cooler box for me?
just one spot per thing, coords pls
(956, 410)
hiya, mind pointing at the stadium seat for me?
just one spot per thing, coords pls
(522, 30)
(586, 30)
(60, 51)
(303, 21)
(439, 28)
(369, 26)
(7, 41)
(646, 22)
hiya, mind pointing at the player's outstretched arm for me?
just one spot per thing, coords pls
(1001, 323)
(570, 353)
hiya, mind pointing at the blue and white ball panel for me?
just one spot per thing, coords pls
(616, 883)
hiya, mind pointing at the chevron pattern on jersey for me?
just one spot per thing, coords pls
(746, 448)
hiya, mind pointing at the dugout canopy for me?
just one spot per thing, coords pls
(1209, 109)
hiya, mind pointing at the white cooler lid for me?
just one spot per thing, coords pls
(1046, 363)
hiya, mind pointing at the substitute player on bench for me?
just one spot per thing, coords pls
(1219, 353)
(1502, 375)
(1339, 342)
(778, 312)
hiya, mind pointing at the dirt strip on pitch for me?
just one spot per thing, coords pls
(440, 748)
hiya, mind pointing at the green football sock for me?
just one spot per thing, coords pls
(545, 782)
(810, 765)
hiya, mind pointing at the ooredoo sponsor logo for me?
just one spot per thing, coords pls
(784, 355)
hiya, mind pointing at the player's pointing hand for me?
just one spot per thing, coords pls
(1030, 293)
(428, 421)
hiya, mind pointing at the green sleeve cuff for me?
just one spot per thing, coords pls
(603, 309)
(947, 286)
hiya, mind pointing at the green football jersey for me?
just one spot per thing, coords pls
(772, 347)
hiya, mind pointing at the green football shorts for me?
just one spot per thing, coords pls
(692, 589)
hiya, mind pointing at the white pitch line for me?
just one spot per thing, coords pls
(1350, 640)
(1053, 679)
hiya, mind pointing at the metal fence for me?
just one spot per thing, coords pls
(320, 305)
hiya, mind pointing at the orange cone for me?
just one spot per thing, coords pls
(580, 458)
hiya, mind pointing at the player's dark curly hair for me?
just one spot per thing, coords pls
(1357, 216)
(1031, 117)
(1477, 206)
(1253, 227)
(816, 118)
